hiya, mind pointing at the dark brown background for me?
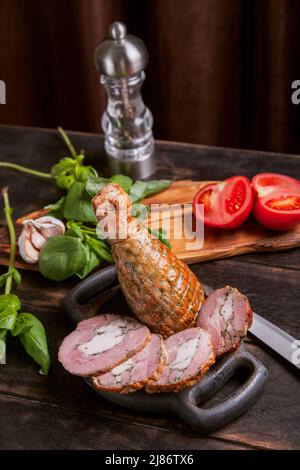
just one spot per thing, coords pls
(220, 70)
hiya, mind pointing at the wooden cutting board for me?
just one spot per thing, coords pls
(218, 244)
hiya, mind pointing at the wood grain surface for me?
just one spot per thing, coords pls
(59, 411)
(175, 215)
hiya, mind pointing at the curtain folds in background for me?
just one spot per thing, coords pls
(220, 71)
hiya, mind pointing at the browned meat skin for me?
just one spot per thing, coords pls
(160, 289)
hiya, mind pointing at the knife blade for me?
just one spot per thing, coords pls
(273, 336)
(276, 338)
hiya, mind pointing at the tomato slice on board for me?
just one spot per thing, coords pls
(226, 205)
(266, 183)
(279, 210)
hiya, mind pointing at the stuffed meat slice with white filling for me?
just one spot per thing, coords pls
(227, 315)
(134, 373)
(101, 343)
(189, 355)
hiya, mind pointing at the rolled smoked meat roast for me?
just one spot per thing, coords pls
(189, 355)
(101, 343)
(134, 373)
(227, 315)
(160, 289)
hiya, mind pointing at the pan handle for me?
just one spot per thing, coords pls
(80, 294)
(210, 419)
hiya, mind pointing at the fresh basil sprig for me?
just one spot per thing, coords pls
(25, 326)
(70, 174)
(78, 252)
(137, 191)
(32, 336)
(62, 257)
(78, 204)
(142, 189)
(57, 208)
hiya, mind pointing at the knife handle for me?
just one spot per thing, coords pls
(210, 418)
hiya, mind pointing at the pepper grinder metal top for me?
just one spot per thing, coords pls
(127, 122)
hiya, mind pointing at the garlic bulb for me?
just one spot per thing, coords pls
(34, 235)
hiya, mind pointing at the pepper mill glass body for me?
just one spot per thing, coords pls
(127, 122)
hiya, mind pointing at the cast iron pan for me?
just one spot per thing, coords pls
(186, 403)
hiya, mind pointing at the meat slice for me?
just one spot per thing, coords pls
(101, 343)
(227, 315)
(189, 355)
(134, 373)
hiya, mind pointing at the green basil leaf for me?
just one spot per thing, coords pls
(124, 181)
(61, 257)
(156, 186)
(78, 204)
(21, 325)
(63, 172)
(65, 181)
(9, 300)
(143, 189)
(35, 342)
(57, 208)
(95, 184)
(17, 276)
(8, 318)
(82, 173)
(140, 211)
(161, 235)
(91, 263)
(64, 165)
(74, 230)
(137, 191)
(100, 248)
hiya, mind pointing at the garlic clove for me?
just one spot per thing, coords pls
(35, 234)
(49, 226)
(27, 251)
(37, 239)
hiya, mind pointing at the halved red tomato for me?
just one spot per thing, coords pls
(226, 205)
(266, 183)
(279, 210)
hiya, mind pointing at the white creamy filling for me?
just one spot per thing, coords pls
(226, 310)
(123, 367)
(106, 337)
(185, 354)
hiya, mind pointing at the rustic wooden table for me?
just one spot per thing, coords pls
(60, 411)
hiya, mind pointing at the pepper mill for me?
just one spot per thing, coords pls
(127, 122)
